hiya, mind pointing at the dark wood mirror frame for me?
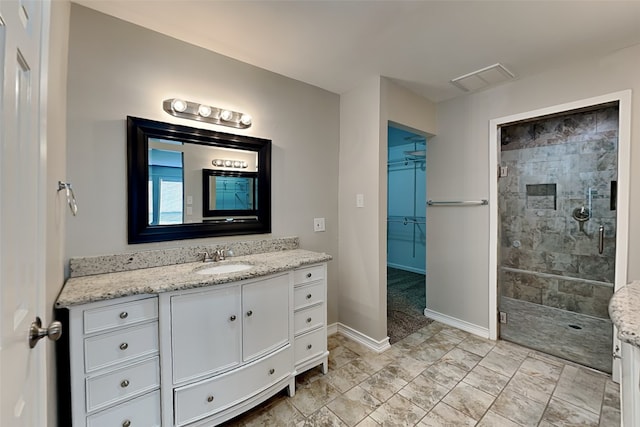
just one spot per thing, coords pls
(139, 231)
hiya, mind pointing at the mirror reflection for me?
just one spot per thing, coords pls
(195, 182)
(228, 193)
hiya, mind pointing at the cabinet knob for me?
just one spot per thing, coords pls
(309, 346)
(124, 383)
(124, 315)
(308, 275)
(233, 317)
(124, 346)
(210, 399)
(249, 313)
(308, 319)
(126, 423)
(272, 371)
(308, 296)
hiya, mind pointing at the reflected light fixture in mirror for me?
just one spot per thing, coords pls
(206, 113)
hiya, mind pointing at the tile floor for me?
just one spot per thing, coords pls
(441, 376)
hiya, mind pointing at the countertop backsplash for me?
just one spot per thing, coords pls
(100, 264)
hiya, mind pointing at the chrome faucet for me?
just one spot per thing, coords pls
(214, 256)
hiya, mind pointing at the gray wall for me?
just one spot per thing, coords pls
(118, 69)
(57, 209)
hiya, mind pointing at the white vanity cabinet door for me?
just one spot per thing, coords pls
(630, 385)
(206, 330)
(266, 312)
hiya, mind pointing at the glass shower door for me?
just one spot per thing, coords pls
(557, 229)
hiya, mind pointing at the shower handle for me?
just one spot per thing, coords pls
(601, 239)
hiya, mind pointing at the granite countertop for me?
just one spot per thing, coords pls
(625, 314)
(100, 287)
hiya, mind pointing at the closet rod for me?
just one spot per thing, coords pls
(458, 203)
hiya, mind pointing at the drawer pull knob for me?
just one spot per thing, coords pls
(249, 313)
(124, 383)
(126, 423)
(124, 315)
(233, 317)
(124, 346)
(210, 399)
(308, 275)
(308, 319)
(272, 371)
(309, 346)
(308, 296)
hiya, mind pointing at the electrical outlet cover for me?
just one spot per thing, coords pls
(318, 224)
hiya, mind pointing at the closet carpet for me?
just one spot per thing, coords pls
(405, 303)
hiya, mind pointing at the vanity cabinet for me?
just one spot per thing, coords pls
(630, 385)
(231, 345)
(310, 317)
(190, 357)
(114, 369)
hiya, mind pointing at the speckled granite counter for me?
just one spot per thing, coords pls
(624, 310)
(99, 287)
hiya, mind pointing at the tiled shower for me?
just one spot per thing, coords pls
(557, 210)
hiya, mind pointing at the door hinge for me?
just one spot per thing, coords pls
(502, 316)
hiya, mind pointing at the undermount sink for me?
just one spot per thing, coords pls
(225, 268)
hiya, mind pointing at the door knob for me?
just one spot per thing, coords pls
(36, 331)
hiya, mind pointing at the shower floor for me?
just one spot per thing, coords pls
(406, 299)
(576, 337)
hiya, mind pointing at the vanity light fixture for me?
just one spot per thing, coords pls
(227, 163)
(206, 113)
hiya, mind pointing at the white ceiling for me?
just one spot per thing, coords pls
(419, 44)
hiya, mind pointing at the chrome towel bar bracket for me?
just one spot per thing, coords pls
(71, 198)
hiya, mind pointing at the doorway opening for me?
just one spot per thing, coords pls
(617, 238)
(406, 233)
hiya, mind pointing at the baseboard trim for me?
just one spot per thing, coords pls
(457, 323)
(367, 341)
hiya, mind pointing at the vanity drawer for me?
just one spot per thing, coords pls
(119, 315)
(310, 344)
(197, 401)
(308, 318)
(121, 384)
(141, 411)
(308, 274)
(308, 295)
(120, 346)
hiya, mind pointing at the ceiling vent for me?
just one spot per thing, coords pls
(483, 78)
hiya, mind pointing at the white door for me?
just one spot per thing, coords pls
(22, 228)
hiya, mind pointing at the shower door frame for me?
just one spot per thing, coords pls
(622, 213)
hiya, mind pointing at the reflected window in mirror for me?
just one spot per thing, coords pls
(169, 198)
(165, 182)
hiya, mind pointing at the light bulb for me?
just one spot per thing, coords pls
(228, 163)
(236, 164)
(245, 164)
(178, 105)
(226, 115)
(246, 119)
(217, 162)
(204, 110)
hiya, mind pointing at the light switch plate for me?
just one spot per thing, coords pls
(318, 224)
(360, 200)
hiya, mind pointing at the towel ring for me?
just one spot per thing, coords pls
(71, 198)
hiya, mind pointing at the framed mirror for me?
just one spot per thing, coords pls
(187, 183)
